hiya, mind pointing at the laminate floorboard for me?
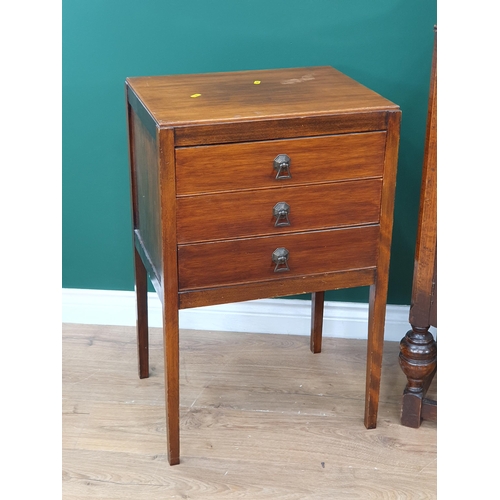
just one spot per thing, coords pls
(261, 418)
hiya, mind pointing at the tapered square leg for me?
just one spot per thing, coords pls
(376, 324)
(317, 308)
(141, 290)
(171, 357)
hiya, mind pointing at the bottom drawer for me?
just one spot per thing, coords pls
(220, 263)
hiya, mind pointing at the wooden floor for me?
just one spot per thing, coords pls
(261, 418)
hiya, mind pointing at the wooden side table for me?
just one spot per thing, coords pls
(259, 184)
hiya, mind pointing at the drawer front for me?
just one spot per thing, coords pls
(206, 169)
(275, 211)
(213, 264)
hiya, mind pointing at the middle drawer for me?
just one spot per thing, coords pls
(275, 211)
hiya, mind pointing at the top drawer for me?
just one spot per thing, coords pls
(251, 165)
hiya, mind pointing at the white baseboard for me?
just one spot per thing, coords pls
(289, 316)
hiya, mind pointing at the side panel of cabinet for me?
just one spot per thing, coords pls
(146, 194)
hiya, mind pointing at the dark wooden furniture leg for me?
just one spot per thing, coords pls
(378, 290)
(141, 290)
(375, 346)
(317, 308)
(418, 360)
(171, 357)
(170, 295)
(418, 350)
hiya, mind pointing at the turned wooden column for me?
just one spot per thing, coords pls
(418, 349)
(418, 360)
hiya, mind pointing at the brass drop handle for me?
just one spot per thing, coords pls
(280, 258)
(282, 164)
(281, 211)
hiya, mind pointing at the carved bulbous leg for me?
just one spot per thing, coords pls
(418, 360)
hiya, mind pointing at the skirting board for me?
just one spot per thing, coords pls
(288, 316)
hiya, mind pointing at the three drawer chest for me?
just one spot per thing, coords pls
(259, 184)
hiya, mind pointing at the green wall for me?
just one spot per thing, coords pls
(384, 44)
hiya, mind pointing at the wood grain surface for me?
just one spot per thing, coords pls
(230, 262)
(250, 213)
(277, 288)
(212, 97)
(145, 185)
(261, 418)
(250, 165)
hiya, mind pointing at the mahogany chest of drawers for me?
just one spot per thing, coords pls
(259, 184)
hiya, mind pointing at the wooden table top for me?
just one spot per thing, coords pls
(253, 95)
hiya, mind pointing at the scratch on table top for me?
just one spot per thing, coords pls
(304, 78)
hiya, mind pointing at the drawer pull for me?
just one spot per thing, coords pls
(282, 164)
(280, 258)
(281, 211)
